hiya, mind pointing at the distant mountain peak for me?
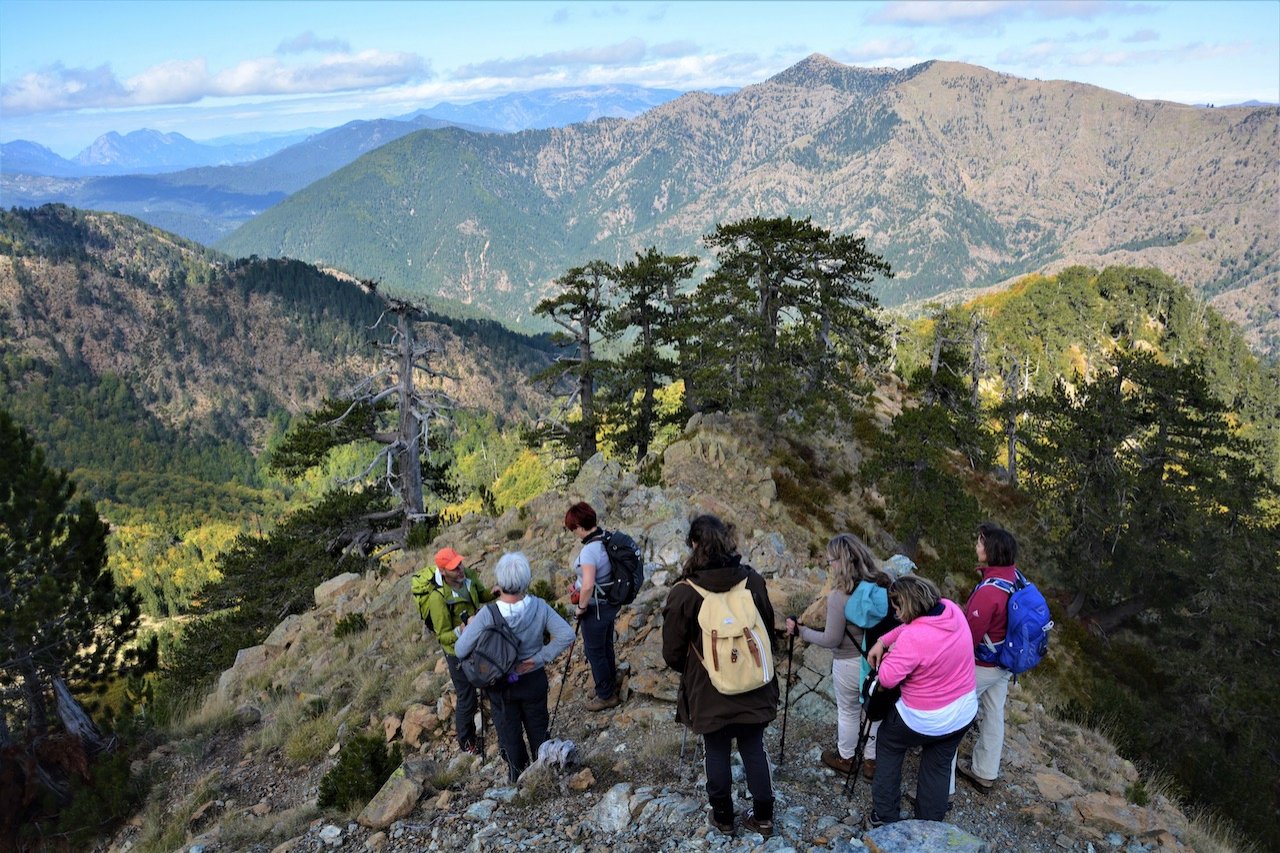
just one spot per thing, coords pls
(816, 69)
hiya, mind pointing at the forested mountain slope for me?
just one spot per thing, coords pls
(156, 370)
(958, 175)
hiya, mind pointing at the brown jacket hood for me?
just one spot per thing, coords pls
(699, 705)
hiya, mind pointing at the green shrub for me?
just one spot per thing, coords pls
(364, 764)
(96, 805)
(352, 623)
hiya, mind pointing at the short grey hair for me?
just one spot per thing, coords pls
(513, 573)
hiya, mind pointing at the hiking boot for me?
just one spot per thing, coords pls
(965, 769)
(470, 747)
(753, 824)
(869, 769)
(832, 759)
(873, 820)
(726, 828)
(598, 704)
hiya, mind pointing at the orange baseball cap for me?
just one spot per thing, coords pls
(448, 559)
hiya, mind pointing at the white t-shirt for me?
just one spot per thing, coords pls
(593, 554)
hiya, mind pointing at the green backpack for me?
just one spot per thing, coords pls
(424, 586)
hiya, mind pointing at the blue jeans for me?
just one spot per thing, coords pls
(597, 643)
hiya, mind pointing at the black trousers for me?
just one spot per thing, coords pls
(932, 782)
(520, 713)
(750, 737)
(464, 710)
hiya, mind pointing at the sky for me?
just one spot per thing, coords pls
(71, 71)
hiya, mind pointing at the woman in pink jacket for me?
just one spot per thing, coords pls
(931, 656)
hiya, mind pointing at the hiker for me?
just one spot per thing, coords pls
(715, 566)
(853, 568)
(987, 615)
(520, 703)
(931, 657)
(455, 596)
(595, 614)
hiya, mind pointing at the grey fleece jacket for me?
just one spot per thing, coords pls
(530, 619)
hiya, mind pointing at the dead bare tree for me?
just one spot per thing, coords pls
(403, 410)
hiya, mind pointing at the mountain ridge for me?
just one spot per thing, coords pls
(957, 174)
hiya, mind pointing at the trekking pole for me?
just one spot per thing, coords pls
(481, 695)
(786, 705)
(855, 766)
(577, 627)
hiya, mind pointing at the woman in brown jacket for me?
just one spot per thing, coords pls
(715, 565)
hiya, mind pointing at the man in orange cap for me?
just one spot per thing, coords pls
(446, 599)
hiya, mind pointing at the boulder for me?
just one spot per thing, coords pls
(396, 799)
(1109, 813)
(343, 584)
(613, 812)
(417, 719)
(923, 836)
(249, 662)
(1055, 786)
(284, 634)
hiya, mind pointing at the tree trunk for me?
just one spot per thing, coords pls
(76, 721)
(1011, 421)
(409, 460)
(1113, 617)
(37, 711)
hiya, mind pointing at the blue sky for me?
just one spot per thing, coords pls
(70, 71)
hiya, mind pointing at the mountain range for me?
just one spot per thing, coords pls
(544, 108)
(958, 175)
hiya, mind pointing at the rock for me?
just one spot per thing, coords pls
(287, 846)
(328, 592)
(613, 812)
(285, 634)
(390, 727)
(419, 768)
(249, 662)
(247, 715)
(260, 809)
(376, 841)
(417, 719)
(201, 811)
(1109, 813)
(331, 835)
(1055, 786)
(482, 810)
(394, 800)
(923, 836)
(582, 780)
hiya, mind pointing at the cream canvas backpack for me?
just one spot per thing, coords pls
(736, 650)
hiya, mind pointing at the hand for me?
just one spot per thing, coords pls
(582, 611)
(524, 667)
(793, 627)
(875, 655)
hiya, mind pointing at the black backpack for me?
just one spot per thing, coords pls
(877, 700)
(495, 654)
(625, 566)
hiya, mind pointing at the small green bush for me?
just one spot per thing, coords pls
(352, 623)
(364, 765)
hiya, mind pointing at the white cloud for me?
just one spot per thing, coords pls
(627, 52)
(59, 88)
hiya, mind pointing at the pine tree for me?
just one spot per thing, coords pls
(62, 617)
(579, 309)
(648, 289)
(785, 323)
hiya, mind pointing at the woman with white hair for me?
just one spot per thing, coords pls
(520, 704)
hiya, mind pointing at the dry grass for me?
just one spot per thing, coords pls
(309, 742)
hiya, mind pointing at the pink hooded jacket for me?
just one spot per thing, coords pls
(932, 658)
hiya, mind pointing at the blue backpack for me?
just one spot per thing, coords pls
(1026, 640)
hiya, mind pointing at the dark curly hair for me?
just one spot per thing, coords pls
(712, 542)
